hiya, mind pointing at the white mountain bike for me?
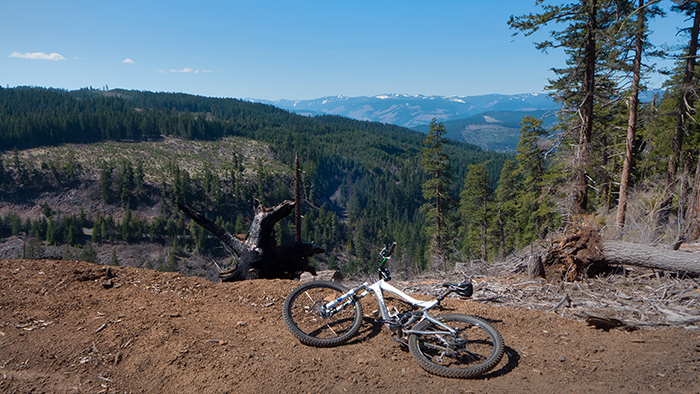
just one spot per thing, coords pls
(325, 314)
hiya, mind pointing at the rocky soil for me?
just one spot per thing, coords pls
(75, 327)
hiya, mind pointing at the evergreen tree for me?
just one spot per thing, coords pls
(507, 227)
(139, 181)
(115, 259)
(70, 168)
(535, 213)
(585, 37)
(639, 34)
(686, 125)
(106, 182)
(126, 183)
(3, 174)
(475, 201)
(436, 163)
(89, 254)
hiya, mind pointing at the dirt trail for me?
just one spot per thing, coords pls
(65, 327)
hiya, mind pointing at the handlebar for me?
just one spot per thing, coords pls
(386, 253)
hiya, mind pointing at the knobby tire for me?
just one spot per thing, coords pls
(474, 351)
(305, 321)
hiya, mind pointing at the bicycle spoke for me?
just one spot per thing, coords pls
(474, 348)
(309, 315)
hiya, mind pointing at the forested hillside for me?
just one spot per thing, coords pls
(90, 168)
(133, 155)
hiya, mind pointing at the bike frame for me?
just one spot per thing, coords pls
(378, 289)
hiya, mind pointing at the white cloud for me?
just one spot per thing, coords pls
(128, 61)
(37, 55)
(184, 70)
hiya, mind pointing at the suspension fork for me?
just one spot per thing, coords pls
(344, 300)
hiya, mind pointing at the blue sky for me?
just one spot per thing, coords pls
(278, 49)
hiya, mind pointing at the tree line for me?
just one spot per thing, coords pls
(627, 168)
(361, 180)
(367, 183)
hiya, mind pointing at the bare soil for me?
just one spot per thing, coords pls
(75, 327)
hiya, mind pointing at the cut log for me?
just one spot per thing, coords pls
(651, 257)
(259, 256)
(584, 253)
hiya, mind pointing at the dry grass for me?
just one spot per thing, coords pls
(156, 155)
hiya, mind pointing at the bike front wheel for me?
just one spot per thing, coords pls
(306, 317)
(474, 349)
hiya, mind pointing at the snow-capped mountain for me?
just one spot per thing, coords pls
(414, 110)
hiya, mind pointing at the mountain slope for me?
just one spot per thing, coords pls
(131, 155)
(497, 131)
(414, 110)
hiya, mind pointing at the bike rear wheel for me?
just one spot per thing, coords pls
(472, 351)
(307, 320)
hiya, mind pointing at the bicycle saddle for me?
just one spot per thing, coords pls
(464, 289)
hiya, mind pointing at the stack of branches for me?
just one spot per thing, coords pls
(632, 298)
(581, 276)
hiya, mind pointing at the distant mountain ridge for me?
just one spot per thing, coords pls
(497, 131)
(414, 110)
(491, 121)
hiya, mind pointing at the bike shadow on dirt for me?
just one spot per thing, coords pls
(513, 358)
(509, 366)
(508, 363)
(370, 328)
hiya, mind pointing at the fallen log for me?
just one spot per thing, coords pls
(627, 253)
(585, 253)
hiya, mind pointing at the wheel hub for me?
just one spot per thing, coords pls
(320, 310)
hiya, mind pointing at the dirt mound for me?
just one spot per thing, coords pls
(68, 326)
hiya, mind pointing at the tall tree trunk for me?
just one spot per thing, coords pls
(632, 122)
(484, 231)
(692, 218)
(501, 232)
(684, 111)
(438, 224)
(581, 189)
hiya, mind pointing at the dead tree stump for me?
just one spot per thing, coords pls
(584, 253)
(576, 255)
(258, 255)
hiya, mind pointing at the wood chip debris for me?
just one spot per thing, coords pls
(634, 297)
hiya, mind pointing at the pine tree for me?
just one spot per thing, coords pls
(89, 253)
(3, 174)
(628, 165)
(436, 164)
(106, 182)
(508, 230)
(475, 201)
(586, 40)
(115, 259)
(534, 213)
(686, 125)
